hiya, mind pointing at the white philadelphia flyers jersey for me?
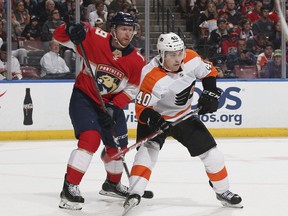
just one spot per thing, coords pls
(171, 93)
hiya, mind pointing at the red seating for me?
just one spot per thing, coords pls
(29, 72)
(246, 71)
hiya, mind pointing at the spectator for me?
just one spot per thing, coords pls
(125, 7)
(241, 57)
(138, 40)
(21, 14)
(273, 15)
(3, 34)
(109, 18)
(133, 13)
(116, 5)
(245, 29)
(276, 35)
(15, 65)
(225, 14)
(199, 7)
(257, 44)
(268, 4)
(264, 57)
(208, 20)
(50, 25)
(246, 6)
(254, 15)
(230, 45)
(209, 13)
(45, 12)
(264, 24)
(31, 6)
(234, 15)
(92, 6)
(2, 10)
(52, 65)
(218, 35)
(273, 68)
(98, 13)
(99, 23)
(32, 31)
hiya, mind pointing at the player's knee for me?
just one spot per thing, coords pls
(213, 159)
(89, 140)
(148, 153)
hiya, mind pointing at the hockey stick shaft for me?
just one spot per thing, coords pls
(103, 106)
(150, 137)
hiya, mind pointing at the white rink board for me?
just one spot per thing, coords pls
(244, 104)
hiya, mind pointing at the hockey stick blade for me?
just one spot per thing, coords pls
(107, 159)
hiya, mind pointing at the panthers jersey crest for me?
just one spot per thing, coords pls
(108, 78)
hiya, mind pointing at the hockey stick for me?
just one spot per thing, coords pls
(151, 136)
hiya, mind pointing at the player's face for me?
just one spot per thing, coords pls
(124, 34)
(173, 59)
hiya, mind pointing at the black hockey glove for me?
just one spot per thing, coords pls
(154, 120)
(109, 118)
(76, 32)
(209, 101)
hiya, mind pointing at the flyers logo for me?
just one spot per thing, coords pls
(183, 96)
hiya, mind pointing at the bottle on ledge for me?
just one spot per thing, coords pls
(28, 108)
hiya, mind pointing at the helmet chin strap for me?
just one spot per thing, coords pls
(113, 33)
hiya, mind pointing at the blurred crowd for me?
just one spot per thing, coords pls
(236, 34)
(33, 24)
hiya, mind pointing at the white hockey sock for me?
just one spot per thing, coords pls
(213, 161)
(145, 160)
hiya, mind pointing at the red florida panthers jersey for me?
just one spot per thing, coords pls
(117, 72)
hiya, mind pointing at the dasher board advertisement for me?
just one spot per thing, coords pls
(253, 104)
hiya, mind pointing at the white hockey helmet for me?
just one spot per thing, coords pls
(169, 42)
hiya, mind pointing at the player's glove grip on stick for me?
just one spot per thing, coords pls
(209, 101)
(76, 32)
(154, 120)
(110, 117)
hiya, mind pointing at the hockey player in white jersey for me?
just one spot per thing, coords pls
(166, 92)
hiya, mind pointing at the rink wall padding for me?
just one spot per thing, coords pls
(247, 108)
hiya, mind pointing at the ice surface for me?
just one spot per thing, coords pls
(31, 178)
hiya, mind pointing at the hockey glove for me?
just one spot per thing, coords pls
(76, 32)
(209, 101)
(154, 120)
(110, 117)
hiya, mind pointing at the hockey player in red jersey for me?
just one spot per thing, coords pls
(116, 66)
(165, 95)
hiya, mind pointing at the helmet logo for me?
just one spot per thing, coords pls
(174, 38)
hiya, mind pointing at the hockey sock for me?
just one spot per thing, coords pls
(80, 158)
(215, 168)
(113, 168)
(145, 161)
